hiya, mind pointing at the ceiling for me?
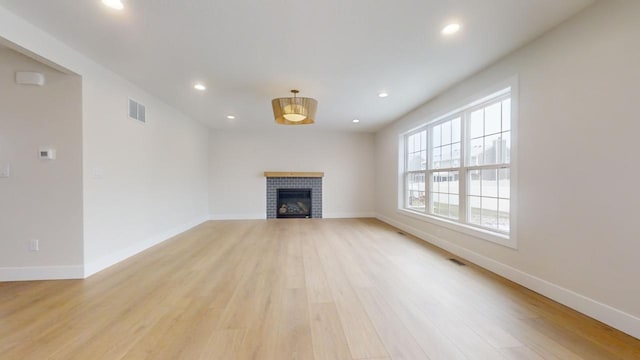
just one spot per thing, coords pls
(342, 53)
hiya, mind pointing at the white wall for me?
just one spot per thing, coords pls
(238, 160)
(41, 199)
(142, 183)
(578, 175)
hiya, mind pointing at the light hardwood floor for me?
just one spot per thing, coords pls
(295, 289)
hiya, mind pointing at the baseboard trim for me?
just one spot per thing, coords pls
(263, 216)
(34, 273)
(349, 215)
(114, 258)
(611, 316)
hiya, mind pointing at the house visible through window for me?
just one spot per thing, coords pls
(458, 168)
(416, 165)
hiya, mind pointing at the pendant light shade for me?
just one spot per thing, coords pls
(294, 110)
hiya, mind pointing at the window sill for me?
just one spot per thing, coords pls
(494, 237)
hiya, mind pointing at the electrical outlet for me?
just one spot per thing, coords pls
(34, 245)
(5, 171)
(97, 173)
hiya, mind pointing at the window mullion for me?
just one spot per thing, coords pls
(427, 195)
(406, 171)
(462, 174)
(489, 166)
(427, 181)
(406, 190)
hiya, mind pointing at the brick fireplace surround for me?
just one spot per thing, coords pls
(294, 180)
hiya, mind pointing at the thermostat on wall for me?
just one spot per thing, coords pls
(47, 154)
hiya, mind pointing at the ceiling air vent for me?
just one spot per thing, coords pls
(137, 111)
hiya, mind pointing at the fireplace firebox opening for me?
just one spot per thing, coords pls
(293, 203)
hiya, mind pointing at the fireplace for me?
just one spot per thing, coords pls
(310, 182)
(293, 203)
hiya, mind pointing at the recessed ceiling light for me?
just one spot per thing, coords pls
(200, 87)
(383, 94)
(114, 4)
(355, 121)
(231, 117)
(451, 29)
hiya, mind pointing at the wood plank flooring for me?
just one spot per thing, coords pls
(320, 289)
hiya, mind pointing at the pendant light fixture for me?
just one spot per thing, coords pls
(294, 110)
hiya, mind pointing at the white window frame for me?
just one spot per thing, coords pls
(407, 173)
(506, 88)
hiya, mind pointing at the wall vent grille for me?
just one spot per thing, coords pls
(137, 111)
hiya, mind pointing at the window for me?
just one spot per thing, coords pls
(488, 170)
(416, 165)
(458, 168)
(444, 170)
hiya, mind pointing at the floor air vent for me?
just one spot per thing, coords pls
(457, 262)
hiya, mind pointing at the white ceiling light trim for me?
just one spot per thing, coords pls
(200, 87)
(451, 29)
(114, 4)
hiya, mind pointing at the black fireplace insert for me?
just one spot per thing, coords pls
(293, 203)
